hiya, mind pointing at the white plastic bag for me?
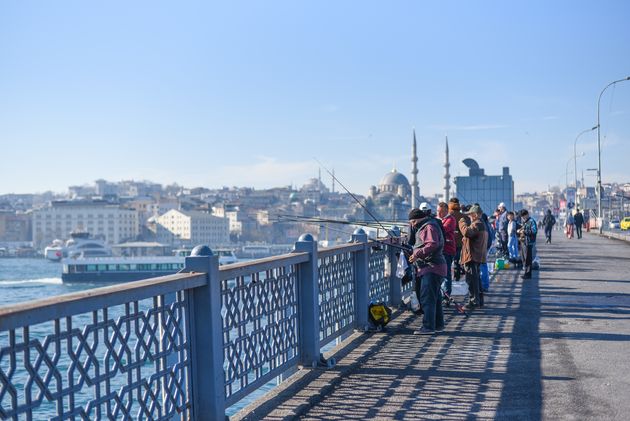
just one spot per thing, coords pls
(415, 304)
(401, 266)
(459, 288)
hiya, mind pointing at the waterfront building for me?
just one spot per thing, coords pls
(487, 190)
(191, 228)
(108, 220)
(15, 227)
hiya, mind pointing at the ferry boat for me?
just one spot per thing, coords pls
(80, 244)
(125, 269)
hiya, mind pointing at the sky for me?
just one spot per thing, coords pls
(255, 93)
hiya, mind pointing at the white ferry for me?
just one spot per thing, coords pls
(80, 244)
(125, 269)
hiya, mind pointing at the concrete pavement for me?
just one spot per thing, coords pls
(553, 347)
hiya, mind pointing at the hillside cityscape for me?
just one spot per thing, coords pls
(143, 217)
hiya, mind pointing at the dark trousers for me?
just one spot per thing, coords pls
(448, 282)
(578, 230)
(431, 301)
(503, 243)
(527, 252)
(548, 233)
(458, 269)
(474, 283)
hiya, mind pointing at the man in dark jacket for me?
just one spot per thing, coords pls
(455, 210)
(548, 222)
(579, 221)
(527, 237)
(429, 260)
(474, 241)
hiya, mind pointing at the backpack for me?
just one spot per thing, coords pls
(379, 314)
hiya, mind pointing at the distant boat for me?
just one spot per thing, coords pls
(126, 269)
(80, 244)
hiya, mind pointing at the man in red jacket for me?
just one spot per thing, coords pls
(450, 246)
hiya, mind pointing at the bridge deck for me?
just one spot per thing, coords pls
(553, 347)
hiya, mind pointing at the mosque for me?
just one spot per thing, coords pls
(395, 196)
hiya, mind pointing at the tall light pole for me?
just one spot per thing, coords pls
(577, 201)
(566, 174)
(599, 156)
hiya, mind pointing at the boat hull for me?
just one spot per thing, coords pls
(93, 277)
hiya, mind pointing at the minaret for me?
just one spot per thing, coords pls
(333, 181)
(447, 175)
(415, 190)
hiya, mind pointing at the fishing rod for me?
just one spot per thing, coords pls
(405, 248)
(354, 197)
(306, 219)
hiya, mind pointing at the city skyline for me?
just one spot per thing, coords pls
(252, 95)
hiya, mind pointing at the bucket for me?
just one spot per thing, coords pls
(499, 264)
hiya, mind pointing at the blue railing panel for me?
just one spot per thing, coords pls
(260, 326)
(379, 283)
(336, 294)
(122, 362)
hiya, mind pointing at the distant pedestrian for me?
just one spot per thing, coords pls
(475, 238)
(548, 222)
(527, 237)
(450, 245)
(587, 221)
(569, 224)
(428, 258)
(579, 221)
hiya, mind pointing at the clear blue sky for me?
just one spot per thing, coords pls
(242, 93)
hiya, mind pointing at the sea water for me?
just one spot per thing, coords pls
(28, 279)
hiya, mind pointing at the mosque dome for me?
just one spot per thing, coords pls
(392, 180)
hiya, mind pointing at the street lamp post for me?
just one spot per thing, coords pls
(575, 160)
(566, 175)
(599, 156)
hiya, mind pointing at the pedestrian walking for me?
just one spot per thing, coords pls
(569, 225)
(579, 221)
(548, 222)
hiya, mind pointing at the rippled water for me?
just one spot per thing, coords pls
(23, 280)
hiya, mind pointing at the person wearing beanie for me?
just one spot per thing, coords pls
(428, 258)
(475, 238)
(454, 209)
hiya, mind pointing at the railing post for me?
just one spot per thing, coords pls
(206, 337)
(361, 280)
(395, 287)
(308, 302)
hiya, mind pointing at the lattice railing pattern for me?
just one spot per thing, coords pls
(260, 326)
(379, 284)
(125, 362)
(336, 295)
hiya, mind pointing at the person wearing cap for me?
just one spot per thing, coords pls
(527, 237)
(502, 224)
(429, 260)
(475, 239)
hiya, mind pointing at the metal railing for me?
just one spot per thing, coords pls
(186, 346)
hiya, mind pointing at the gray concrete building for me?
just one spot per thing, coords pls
(487, 190)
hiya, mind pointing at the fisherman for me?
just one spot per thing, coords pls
(475, 238)
(527, 237)
(450, 246)
(501, 224)
(428, 258)
(455, 210)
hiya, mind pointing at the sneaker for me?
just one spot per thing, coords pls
(424, 331)
(470, 306)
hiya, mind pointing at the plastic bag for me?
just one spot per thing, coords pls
(459, 288)
(402, 266)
